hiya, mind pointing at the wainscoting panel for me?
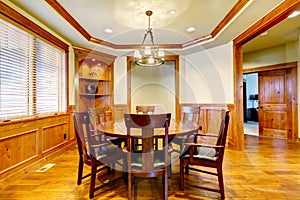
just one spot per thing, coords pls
(27, 141)
(54, 136)
(17, 149)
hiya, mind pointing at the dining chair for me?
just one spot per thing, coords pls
(145, 109)
(188, 114)
(97, 116)
(93, 151)
(210, 120)
(149, 162)
(118, 111)
(206, 156)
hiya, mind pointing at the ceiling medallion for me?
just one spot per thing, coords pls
(149, 55)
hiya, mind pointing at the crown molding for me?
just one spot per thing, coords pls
(68, 17)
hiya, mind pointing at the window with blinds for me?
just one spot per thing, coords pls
(32, 75)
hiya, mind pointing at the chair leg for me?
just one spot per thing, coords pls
(170, 170)
(187, 169)
(111, 168)
(80, 169)
(156, 143)
(129, 186)
(181, 176)
(125, 174)
(165, 183)
(93, 180)
(221, 183)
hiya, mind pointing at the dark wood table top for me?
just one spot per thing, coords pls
(118, 129)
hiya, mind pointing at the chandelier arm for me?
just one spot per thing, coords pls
(148, 56)
(151, 35)
(144, 38)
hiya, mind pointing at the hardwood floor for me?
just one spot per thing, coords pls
(266, 169)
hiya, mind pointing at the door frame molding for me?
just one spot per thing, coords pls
(270, 67)
(271, 19)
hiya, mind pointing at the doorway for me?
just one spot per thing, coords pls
(251, 104)
(271, 95)
(271, 19)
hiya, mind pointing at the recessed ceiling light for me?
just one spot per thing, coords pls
(172, 12)
(190, 29)
(264, 33)
(294, 14)
(108, 30)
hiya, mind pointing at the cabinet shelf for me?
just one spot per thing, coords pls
(94, 79)
(95, 95)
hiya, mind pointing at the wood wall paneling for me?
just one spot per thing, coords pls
(54, 136)
(17, 149)
(24, 142)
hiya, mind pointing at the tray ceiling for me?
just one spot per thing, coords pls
(216, 22)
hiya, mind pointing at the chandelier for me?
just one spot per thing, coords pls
(149, 55)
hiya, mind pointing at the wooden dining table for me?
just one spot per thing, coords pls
(117, 128)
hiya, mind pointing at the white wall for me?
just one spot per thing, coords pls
(204, 77)
(143, 79)
(154, 86)
(209, 76)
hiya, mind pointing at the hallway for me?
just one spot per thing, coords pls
(251, 128)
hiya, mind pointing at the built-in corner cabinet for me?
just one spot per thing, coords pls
(94, 73)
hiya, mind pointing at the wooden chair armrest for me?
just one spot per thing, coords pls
(100, 145)
(96, 133)
(206, 135)
(204, 145)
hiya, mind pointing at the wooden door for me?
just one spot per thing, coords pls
(277, 107)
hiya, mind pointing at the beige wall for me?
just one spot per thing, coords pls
(270, 56)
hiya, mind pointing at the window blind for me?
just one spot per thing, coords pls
(32, 75)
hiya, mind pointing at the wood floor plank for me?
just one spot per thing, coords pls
(266, 169)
